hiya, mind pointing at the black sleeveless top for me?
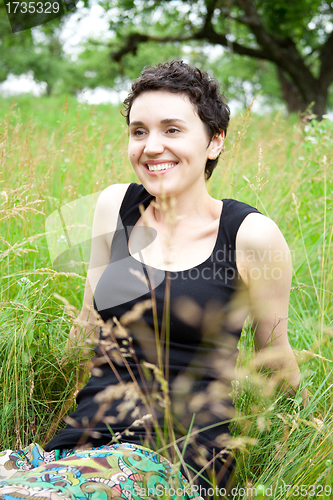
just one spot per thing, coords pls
(185, 338)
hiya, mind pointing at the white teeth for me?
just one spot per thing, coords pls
(161, 166)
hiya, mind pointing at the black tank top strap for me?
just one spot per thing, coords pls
(233, 214)
(135, 196)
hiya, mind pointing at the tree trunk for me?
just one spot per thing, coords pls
(49, 89)
(316, 101)
(320, 104)
(290, 93)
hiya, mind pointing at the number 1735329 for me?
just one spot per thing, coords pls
(33, 7)
(306, 491)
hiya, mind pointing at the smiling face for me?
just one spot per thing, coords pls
(168, 143)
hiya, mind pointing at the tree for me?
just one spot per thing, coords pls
(296, 37)
(40, 52)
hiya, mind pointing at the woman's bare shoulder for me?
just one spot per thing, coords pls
(112, 195)
(107, 208)
(259, 232)
(261, 249)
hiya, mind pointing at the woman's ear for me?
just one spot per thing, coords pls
(216, 145)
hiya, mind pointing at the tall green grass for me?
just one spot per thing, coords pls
(53, 151)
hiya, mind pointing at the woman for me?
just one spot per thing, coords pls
(185, 272)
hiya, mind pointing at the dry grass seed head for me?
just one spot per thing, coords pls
(112, 393)
(135, 313)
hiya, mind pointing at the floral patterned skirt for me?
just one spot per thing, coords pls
(120, 471)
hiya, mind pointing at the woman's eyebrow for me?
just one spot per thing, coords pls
(137, 123)
(166, 121)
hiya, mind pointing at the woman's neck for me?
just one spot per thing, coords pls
(196, 207)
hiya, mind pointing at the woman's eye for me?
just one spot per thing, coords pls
(172, 130)
(138, 132)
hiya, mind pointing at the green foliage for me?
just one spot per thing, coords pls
(291, 19)
(306, 24)
(147, 55)
(14, 51)
(96, 66)
(40, 52)
(282, 19)
(303, 26)
(32, 343)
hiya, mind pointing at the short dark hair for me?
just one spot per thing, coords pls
(202, 91)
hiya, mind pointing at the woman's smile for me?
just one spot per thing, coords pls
(160, 166)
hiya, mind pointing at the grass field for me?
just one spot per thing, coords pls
(54, 151)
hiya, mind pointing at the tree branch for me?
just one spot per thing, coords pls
(132, 42)
(131, 46)
(210, 6)
(282, 52)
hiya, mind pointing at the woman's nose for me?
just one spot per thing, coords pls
(154, 144)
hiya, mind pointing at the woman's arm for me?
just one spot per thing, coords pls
(104, 226)
(264, 263)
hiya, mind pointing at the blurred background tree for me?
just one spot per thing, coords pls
(39, 51)
(281, 49)
(294, 40)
